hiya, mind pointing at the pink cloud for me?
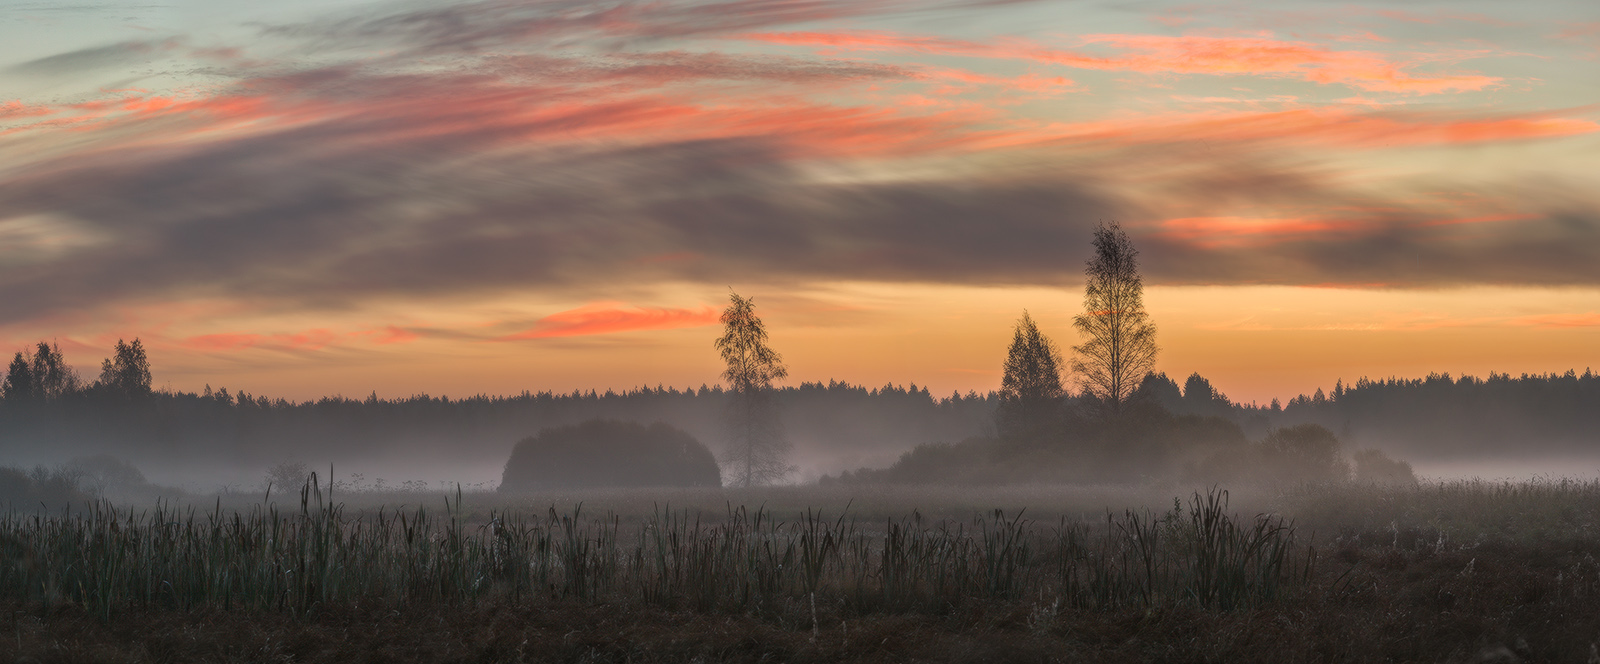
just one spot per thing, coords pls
(607, 318)
(1190, 54)
(516, 114)
(1338, 126)
(16, 109)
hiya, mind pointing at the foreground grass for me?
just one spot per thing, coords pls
(1441, 572)
(1493, 603)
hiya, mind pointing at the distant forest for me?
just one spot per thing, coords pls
(1433, 417)
(834, 426)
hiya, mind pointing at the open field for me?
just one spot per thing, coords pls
(1463, 571)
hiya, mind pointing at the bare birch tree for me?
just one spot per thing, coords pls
(758, 450)
(1119, 341)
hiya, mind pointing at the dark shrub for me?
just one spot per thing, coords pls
(609, 453)
(1375, 467)
(1304, 453)
(41, 488)
(101, 474)
(1287, 456)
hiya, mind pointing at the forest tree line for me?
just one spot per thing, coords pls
(1434, 417)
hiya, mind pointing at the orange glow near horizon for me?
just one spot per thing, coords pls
(1255, 343)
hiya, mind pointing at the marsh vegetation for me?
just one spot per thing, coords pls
(1429, 572)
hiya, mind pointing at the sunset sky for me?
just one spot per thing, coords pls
(300, 198)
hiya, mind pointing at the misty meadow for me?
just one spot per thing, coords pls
(1038, 521)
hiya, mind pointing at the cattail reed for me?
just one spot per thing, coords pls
(108, 559)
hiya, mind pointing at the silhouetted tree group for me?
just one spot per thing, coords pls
(1125, 422)
(43, 374)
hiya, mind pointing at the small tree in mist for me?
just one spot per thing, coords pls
(758, 451)
(1119, 341)
(127, 372)
(1030, 391)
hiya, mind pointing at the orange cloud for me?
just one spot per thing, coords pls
(1590, 319)
(316, 339)
(389, 334)
(222, 341)
(1190, 54)
(606, 318)
(1217, 232)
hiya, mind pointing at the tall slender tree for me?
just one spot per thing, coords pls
(758, 450)
(1119, 341)
(1030, 390)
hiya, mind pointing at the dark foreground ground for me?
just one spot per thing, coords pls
(1390, 600)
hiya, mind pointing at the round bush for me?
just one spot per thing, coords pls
(610, 453)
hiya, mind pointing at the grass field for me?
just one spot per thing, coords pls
(1461, 571)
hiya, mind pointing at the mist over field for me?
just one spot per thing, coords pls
(1502, 427)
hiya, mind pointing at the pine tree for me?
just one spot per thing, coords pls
(19, 384)
(1030, 391)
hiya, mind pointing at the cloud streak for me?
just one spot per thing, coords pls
(609, 318)
(1161, 54)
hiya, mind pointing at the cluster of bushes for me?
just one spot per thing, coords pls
(610, 453)
(1299, 454)
(1143, 442)
(76, 482)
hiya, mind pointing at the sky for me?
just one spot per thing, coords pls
(304, 198)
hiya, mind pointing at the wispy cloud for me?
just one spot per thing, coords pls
(611, 318)
(316, 339)
(73, 62)
(1586, 319)
(1191, 54)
